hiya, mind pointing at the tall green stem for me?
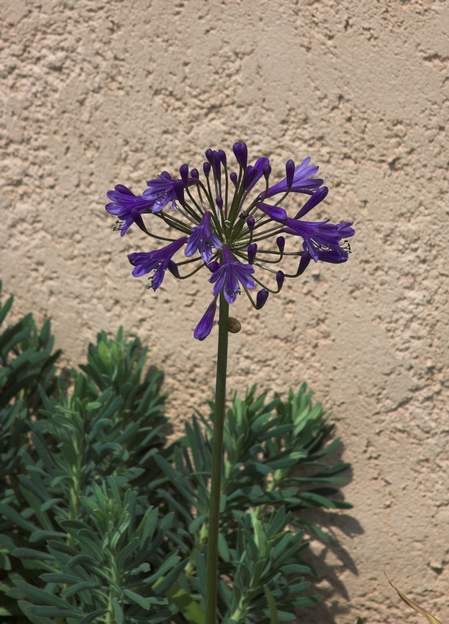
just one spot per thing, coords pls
(217, 463)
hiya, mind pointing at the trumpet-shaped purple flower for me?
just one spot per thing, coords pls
(321, 236)
(162, 191)
(127, 207)
(203, 240)
(230, 275)
(158, 261)
(237, 237)
(299, 180)
(333, 256)
(321, 239)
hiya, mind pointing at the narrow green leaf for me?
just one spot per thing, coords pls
(274, 619)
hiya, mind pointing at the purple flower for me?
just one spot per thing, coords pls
(203, 240)
(333, 256)
(301, 180)
(158, 261)
(204, 327)
(127, 207)
(229, 229)
(162, 191)
(322, 237)
(228, 277)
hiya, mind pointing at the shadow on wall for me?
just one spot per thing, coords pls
(329, 560)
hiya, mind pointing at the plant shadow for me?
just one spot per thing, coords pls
(331, 560)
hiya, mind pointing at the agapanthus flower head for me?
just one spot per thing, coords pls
(235, 224)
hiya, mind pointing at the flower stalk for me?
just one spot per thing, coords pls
(217, 463)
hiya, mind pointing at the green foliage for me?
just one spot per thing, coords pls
(26, 359)
(26, 362)
(108, 565)
(278, 462)
(265, 570)
(101, 520)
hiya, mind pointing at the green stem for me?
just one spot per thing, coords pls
(217, 463)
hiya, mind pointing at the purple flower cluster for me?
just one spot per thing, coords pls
(222, 227)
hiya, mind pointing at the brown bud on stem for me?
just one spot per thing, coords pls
(234, 326)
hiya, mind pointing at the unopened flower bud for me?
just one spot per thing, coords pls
(222, 156)
(241, 153)
(289, 172)
(184, 172)
(280, 277)
(251, 251)
(280, 242)
(261, 298)
(250, 222)
(267, 172)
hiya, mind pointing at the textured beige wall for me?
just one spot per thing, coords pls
(99, 92)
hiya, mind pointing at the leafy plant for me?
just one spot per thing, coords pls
(277, 462)
(27, 362)
(101, 520)
(107, 565)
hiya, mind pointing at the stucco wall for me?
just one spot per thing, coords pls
(95, 92)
